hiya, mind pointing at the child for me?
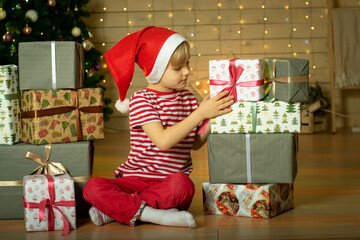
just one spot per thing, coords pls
(153, 184)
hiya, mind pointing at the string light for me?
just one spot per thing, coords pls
(241, 7)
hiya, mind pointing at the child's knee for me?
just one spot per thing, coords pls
(91, 188)
(183, 183)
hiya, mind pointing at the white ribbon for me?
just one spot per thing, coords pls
(53, 65)
(248, 160)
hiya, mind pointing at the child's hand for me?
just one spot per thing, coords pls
(216, 106)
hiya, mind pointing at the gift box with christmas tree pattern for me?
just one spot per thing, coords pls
(52, 116)
(252, 158)
(248, 200)
(76, 157)
(10, 124)
(287, 79)
(243, 78)
(51, 65)
(259, 117)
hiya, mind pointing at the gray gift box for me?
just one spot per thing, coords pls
(291, 80)
(77, 157)
(252, 158)
(51, 65)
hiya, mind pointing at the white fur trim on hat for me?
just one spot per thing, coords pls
(122, 106)
(164, 56)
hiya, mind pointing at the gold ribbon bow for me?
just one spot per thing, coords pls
(46, 167)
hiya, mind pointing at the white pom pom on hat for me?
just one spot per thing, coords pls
(151, 48)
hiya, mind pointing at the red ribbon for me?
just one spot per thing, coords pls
(50, 203)
(235, 73)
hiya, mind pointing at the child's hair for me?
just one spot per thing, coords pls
(181, 54)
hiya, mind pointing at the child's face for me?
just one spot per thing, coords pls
(174, 78)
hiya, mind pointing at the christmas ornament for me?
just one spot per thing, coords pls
(51, 3)
(76, 9)
(90, 73)
(27, 30)
(32, 15)
(2, 14)
(76, 31)
(98, 67)
(87, 45)
(7, 37)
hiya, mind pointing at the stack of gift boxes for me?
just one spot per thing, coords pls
(252, 150)
(48, 122)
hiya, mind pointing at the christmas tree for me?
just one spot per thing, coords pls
(50, 20)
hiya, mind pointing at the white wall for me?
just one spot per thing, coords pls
(224, 29)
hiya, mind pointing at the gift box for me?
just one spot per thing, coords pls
(259, 117)
(248, 200)
(252, 158)
(49, 202)
(10, 124)
(287, 79)
(51, 65)
(243, 78)
(53, 116)
(76, 157)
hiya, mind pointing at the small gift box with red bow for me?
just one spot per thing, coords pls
(49, 202)
(243, 78)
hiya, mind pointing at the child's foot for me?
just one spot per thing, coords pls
(99, 218)
(169, 217)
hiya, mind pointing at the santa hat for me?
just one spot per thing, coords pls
(151, 48)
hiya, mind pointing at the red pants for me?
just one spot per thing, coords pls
(124, 198)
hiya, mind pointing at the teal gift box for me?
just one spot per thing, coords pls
(10, 123)
(51, 65)
(252, 158)
(76, 157)
(287, 79)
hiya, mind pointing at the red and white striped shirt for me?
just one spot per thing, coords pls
(169, 108)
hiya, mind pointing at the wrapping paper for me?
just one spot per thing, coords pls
(77, 157)
(252, 158)
(51, 65)
(58, 197)
(10, 124)
(259, 117)
(248, 200)
(62, 115)
(244, 78)
(290, 80)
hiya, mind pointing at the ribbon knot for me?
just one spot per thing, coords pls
(46, 167)
(235, 73)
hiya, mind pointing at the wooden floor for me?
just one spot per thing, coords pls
(327, 198)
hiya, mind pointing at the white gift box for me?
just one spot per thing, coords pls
(46, 196)
(244, 78)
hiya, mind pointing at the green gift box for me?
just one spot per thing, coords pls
(10, 124)
(252, 158)
(51, 65)
(77, 157)
(287, 79)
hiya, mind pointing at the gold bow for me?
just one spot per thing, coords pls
(46, 167)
